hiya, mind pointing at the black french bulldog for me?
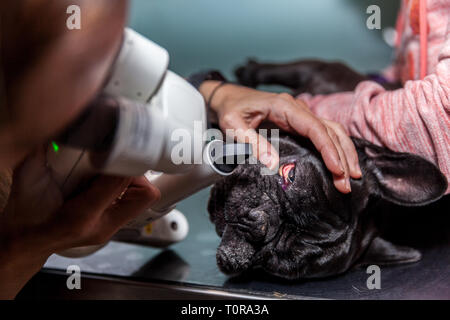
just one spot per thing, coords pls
(295, 224)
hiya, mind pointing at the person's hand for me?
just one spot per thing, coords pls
(37, 222)
(239, 107)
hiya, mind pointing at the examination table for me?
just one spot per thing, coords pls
(188, 269)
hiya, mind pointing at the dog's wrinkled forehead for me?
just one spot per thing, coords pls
(298, 183)
(247, 189)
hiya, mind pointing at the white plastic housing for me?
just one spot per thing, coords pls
(171, 228)
(146, 136)
(139, 68)
(176, 187)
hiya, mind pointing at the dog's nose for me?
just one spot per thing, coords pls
(232, 261)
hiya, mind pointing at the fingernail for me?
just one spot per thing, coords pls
(358, 171)
(347, 185)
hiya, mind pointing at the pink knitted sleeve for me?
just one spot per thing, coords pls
(413, 119)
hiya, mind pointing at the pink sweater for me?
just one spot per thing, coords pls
(413, 119)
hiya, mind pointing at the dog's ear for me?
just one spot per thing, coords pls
(382, 252)
(235, 253)
(401, 178)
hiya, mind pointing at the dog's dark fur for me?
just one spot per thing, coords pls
(311, 76)
(309, 229)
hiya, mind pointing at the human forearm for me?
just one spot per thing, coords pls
(412, 119)
(228, 95)
(20, 260)
(37, 222)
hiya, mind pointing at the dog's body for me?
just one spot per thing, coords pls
(311, 76)
(296, 224)
(307, 228)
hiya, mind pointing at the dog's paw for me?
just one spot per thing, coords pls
(247, 74)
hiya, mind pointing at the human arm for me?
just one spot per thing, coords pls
(38, 222)
(415, 118)
(50, 74)
(239, 107)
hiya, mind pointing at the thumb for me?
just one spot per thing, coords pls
(139, 196)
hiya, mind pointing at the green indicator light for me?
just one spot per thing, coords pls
(55, 146)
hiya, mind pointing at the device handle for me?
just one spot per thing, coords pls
(219, 160)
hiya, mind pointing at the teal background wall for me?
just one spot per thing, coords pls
(221, 34)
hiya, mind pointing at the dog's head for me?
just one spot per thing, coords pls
(295, 224)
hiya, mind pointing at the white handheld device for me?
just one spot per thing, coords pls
(139, 136)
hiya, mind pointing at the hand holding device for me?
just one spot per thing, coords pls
(134, 133)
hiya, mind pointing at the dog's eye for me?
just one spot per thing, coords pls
(287, 171)
(291, 175)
